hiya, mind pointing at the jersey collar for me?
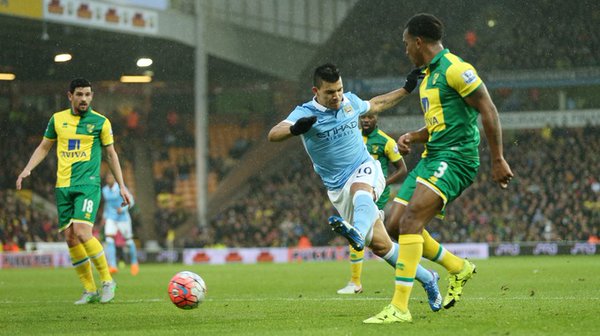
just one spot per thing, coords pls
(373, 132)
(322, 108)
(437, 57)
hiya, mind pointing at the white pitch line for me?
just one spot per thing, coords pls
(286, 299)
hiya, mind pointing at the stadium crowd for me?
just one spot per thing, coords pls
(555, 196)
(513, 35)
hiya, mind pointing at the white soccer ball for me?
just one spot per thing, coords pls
(187, 290)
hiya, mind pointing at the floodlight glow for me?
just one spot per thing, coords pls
(62, 58)
(144, 62)
(135, 79)
(7, 76)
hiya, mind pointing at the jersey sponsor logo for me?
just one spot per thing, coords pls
(469, 76)
(374, 148)
(74, 144)
(396, 151)
(431, 121)
(339, 131)
(425, 104)
(73, 155)
(73, 150)
(435, 78)
(89, 128)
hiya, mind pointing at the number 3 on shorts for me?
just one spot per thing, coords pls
(441, 169)
(88, 205)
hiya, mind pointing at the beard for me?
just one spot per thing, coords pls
(82, 108)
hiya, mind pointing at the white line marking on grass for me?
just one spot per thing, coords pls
(319, 299)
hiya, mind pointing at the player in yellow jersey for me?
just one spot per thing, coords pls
(80, 134)
(384, 149)
(452, 96)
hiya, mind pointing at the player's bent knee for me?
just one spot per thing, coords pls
(379, 250)
(380, 245)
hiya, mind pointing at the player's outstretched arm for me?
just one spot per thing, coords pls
(115, 167)
(284, 130)
(388, 100)
(481, 100)
(280, 132)
(38, 156)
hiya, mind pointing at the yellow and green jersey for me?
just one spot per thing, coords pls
(79, 146)
(383, 148)
(451, 122)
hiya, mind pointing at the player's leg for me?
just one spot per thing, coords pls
(382, 245)
(367, 184)
(423, 207)
(455, 175)
(85, 208)
(365, 210)
(127, 232)
(110, 231)
(460, 270)
(427, 278)
(83, 268)
(79, 259)
(432, 250)
(354, 286)
(355, 203)
(342, 201)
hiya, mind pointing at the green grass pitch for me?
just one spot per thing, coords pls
(508, 296)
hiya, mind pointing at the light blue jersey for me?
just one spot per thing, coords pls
(334, 143)
(112, 201)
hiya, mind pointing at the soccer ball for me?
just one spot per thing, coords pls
(187, 290)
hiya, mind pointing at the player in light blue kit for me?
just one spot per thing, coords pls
(328, 127)
(117, 220)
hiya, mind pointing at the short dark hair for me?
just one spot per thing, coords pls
(327, 72)
(425, 26)
(79, 83)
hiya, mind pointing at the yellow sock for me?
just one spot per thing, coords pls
(82, 266)
(356, 263)
(409, 255)
(433, 251)
(96, 252)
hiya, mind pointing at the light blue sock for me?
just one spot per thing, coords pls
(111, 252)
(132, 251)
(423, 274)
(365, 212)
(392, 256)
